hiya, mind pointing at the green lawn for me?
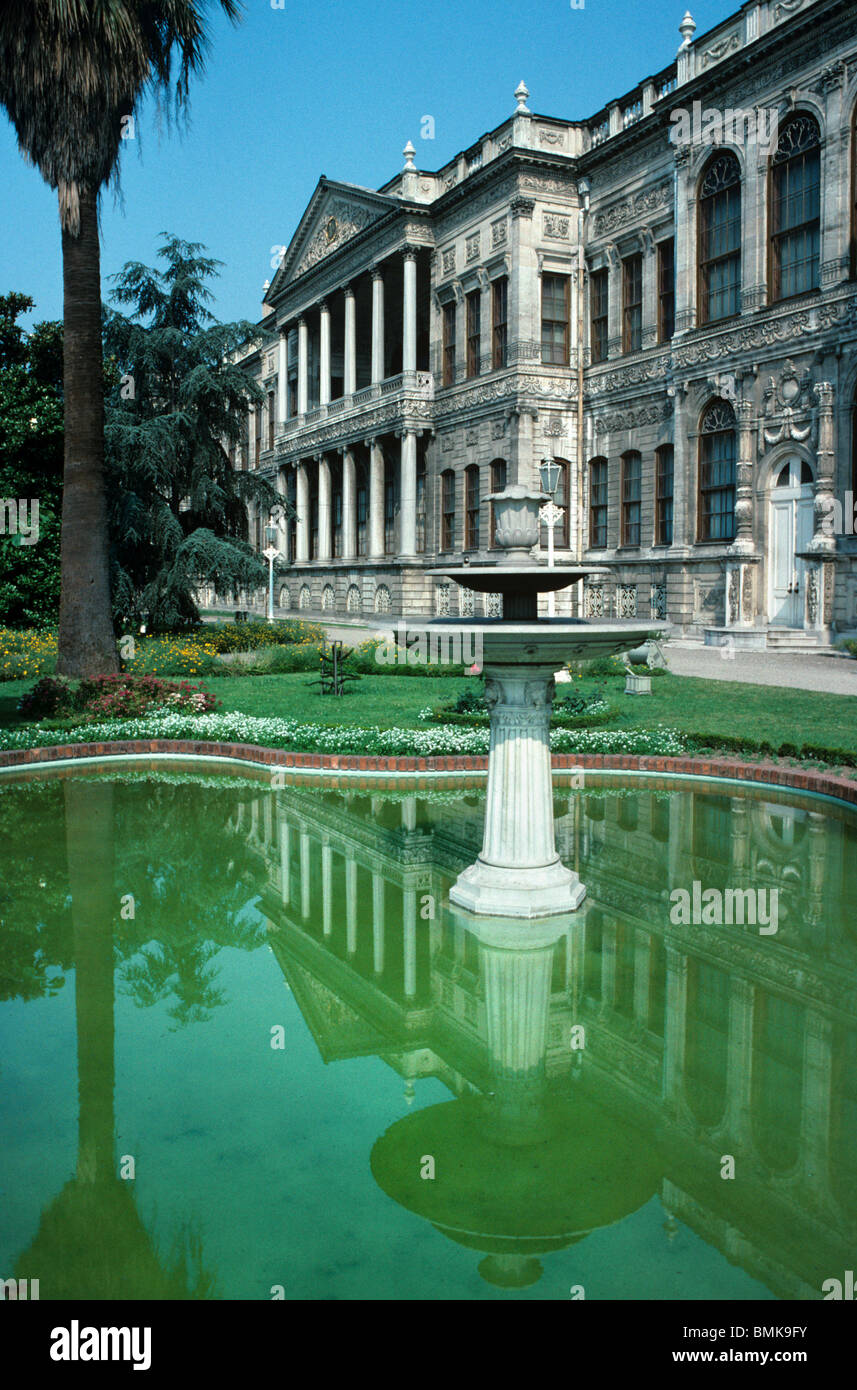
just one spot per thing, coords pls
(716, 708)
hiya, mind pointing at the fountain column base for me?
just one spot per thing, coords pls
(518, 873)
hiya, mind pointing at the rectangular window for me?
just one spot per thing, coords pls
(632, 303)
(421, 505)
(362, 499)
(257, 448)
(555, 319)
(391, 506)
(474, 332)
(471, 505)
(664, 495)
(598, 504)
(449, 312)
(293, 397)
(666, 290)
(499, 322)
(447, 519)
(631, 497)
(598, 300)
(498, 483)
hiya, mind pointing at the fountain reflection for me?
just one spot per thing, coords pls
(700, 1041)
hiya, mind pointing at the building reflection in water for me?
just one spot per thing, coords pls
(700, 1041)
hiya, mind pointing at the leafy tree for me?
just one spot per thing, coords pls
(71, 76)
(31, 451)
(178, 508)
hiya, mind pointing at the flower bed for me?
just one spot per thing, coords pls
(26, 654)
(320, 738)
(112, 698)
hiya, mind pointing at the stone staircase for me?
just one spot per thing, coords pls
(791, 639)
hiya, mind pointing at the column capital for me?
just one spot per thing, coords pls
(284, 330)
(377, 273)
(409, 252)
(323, 306)
(348, 290)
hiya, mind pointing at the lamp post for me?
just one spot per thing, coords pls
(550, 513)
(271, 554)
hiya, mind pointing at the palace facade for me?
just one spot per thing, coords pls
(662, 298)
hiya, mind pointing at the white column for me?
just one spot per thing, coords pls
(675, 1026)
(302, 507)
(377, 326)
(285, 859)
(409, 912)
(378, 923)
(303, 366)
(324, 355)
(349, 506)
(326, 888)
(282, 376)
(519, 872)
(376, 501)
(251, 436)
(305, 872)
(351, 905)
(408, 495)
(409, 313)
(350, 382)
(323, 508)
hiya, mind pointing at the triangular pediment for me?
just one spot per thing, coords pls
(336, 213)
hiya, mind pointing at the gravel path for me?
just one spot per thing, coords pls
(828, 671)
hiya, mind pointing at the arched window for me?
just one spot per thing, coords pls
(632, 493)
(720, 239)
(471, 507)
(717, 460)
(796, 209)
(598, 504)
(498, 484)
(447, 510)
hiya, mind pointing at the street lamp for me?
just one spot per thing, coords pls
(271, 554)
(550, 513)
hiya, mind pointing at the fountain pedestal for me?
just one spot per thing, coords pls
(519, 872)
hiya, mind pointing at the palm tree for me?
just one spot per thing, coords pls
(72, 72)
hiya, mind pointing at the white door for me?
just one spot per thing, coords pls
(791, 527)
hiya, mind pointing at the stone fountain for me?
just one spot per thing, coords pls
(519, 873)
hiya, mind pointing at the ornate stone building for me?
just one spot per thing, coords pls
(662, 297)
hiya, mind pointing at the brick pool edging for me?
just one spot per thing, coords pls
(351, 764)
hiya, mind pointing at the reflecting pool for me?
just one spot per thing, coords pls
(248, 1051)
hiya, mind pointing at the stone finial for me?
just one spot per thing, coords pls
(521, 94)
(409, 152)
(687, 29)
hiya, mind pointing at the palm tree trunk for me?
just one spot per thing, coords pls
(87, 645)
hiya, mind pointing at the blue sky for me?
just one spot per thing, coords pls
(332, 87)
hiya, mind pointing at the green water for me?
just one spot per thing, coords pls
(246, 1049)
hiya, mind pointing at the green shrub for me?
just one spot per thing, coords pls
(849, 646)
(250, 636)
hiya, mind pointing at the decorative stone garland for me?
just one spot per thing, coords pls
(426, 771)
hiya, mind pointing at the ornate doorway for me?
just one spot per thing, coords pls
(789, 532)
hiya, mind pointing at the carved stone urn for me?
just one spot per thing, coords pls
(516, 522)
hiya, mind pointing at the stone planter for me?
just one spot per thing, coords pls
(637, 685)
